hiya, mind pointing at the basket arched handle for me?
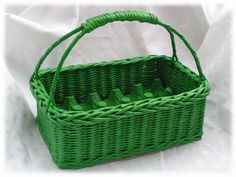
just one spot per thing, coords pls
(100, 20)
(95, 22)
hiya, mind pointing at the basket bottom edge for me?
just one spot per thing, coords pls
(124, 156)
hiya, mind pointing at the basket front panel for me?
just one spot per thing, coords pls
(132, 133)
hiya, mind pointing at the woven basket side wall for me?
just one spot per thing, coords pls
(125, 135)
(81, 82)
(176, 78)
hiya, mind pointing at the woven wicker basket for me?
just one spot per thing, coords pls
(92, 113)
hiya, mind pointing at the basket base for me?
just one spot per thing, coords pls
(124, 156)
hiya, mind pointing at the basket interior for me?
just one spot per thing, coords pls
(102, 78)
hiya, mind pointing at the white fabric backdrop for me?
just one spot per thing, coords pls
(31, 29)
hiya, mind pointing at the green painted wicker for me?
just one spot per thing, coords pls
(82, 138)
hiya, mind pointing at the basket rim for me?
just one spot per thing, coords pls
(40, 94)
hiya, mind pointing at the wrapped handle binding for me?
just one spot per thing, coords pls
(101, 20)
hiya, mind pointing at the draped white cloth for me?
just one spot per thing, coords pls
(31, 29)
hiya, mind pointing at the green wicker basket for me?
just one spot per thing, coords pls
(92, 113)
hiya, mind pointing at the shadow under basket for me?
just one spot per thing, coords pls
(86, 137)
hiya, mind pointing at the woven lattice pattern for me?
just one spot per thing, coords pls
(82, 138)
